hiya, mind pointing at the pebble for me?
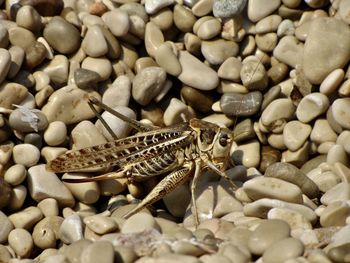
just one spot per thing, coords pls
(72, 99)
(85, 78)
(235, 104)
(56, 133)
(18, 196)
(101, 224)
(340, 192)
(319, 49)
(247, 154)
(46, 232)
(167, 59)
(49, 207)
(58, 29)
(58, 69)
(295, 219)
(163, 19)
(217, 51)
(322, 132)
(138, 223)
(332, 82)
(208, 29)
(35, 54)
(117, 22)
(43, 184)
(12, 93)
(92, 253)
(21, 242)
(86, 134)
(176, 112)
(21, 37)
(295, 134)
(260, 9)
(183, 18)
(71, 229)
(5, 63)
(23, 119)
(195, 73)
(26, 154)
(202, 7)
(153, 38)
(253, 74)
(289, 51)
(94, 43)
(228, 8)
(147, 84)
(26, 218)
(6, 226)
(15, 174)
(268, 24)
(312, 106)
(5, 255)
(17, 57)
(119, 93)
(335, 214)
(269, 187)
(153, 6)
(230, 69)
(339, 112)
(266, 234)
(102, 66)
(293, 248)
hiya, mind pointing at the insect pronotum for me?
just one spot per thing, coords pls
(178, 151)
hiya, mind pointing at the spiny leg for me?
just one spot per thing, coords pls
(221, 173)
(165, 186)
(197, 173)
(111, 175)
(141, 127)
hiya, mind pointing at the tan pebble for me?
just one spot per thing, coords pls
(21, 242)
(56, 133)
(295, 219)
(289, 51)
(230, 69)
(133, 224)
(153, 38)
(324, 178)
(166, 58)
(74, 251)
(83, 210)
(163, 19)
(335, 214)
(56, 258)
(17, 57)
(344, 140)
(28, 18)
(94, 43)
(219, 119)
(117, 21)
(85, 192)
(268, 187)
(144, 62)
(153, 6)
(217, 51)
(101, 224)
(339, 192)
(16, 174)
(192, 43)
(118, 94)
(26, 218)
(322, 132)
(49, 207)
(6, 149)
(268, 24)
(26, 154)
(247, 154)
(184, 19)
(176, 111)
(344, 89)
(269, 156)
(212, 258)
(293, 248)
(86, 134)
(21, 37)
(19, 120)
(295, 133)
(93, 253)
(202, 7)
(18, 196)
(71, 98)
(340, 112)
(318, 52)
(286, 28)
(337, 154)
(191, 97)
(43, 184)
(220, 228)
(101, 66)
(266, 42)
(324, 147)
(5, 255)
(184, 247)
(267, 233)
(58, 29)
(5, 227)
(171, 200)
(342, 172)
(12, 93)
(50, 153)
(332, 82)
(311, 106)
(57, 69)
(238, 252)
(5, 62)
(253, 74)
(209, 29)
(71, 229)
(298, 157)
(195, 73)
(42, 96)
(45, 233)
(260, 9)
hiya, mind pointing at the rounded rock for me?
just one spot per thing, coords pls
(117, 21)
(102, 66)
(94, 44)
(295, 134)
(340, 111)
(85, 78)
(26, 154)
(16, 174)
(209, 29)
(228, 8)
(101, 224)
(92, 253)
(166, 58)
(21, 242)
(235, 104)
(138, 223)
(56, 133)
(183, 18)
(332, 82)
(311, 106)
(253, 74)
(217, 51)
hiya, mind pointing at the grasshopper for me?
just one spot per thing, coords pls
(178, 151)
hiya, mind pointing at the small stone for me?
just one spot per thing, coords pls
(176, 112)
(12, 93)
(94, 44)
(235, 104)
(228, 8)
(295, 134)
(102, 66)
(217, 51)
(331, 83)
(58, 69)
(119, 93)
(21, 37)
(21, 242)
(86, 134)
(183, 18)
(340, 112)
(74, 251)
(29, 18)
(35, 54)
(138, 223)
(335, 214)
(25, 120)
(101, 224)
(337, 153)
(339, 253)
(253, 74)
(93, 253)
(293, 248)
(166, 58)
(295, 219)
(289, 51)
(230, 69)
(209, 29)
(58, 29)
(5, 62)
(5, 255)
(266, 234)
(85, 78)
(268, 24)
(191, 96)
(18, 196)
(153, 6)
(26, 154)
(49, 207)
(340, 192)
(71, 229)
(117, 21)
(5, 228)
(43, 184)
(46, 232)
(17, 58)
(16, 174)
(247, 154)
(258, 9)
(56, 133)
(311, 106)
(26, 218)
(322, 132)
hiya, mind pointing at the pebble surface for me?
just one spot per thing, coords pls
(274, 72)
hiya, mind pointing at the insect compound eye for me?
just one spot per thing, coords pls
(223, 140)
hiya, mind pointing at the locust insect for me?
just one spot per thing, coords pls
(178, 151)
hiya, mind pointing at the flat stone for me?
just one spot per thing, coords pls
(311, 106)
(236, 104)
(289, 51)
(93, 253)
(217, 51)
(295, 133)
(258, 9)
(21, 37)
(71, 229)
(101, 224)
(228, 8)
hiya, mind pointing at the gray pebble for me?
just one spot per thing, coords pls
(27, 120)
(235, 104)
(228, 8)
(85, 78)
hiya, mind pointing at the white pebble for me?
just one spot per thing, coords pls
(56, 133)
(26, 154)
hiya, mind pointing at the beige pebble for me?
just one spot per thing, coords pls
(46, 232)
(260, 9)
(167, 59)
(230, 69)
(344, 140)
(289, 51)
(5, 62)
(21, 242)
(311, 106)
(6, 151)
(295, 133)
(12, 93)
(49, 207)
(247, 154)
(217, 51)
(153, 38)
(209, 29)
(72, 99)
(337, 154)
(43, 184)
(176, 111)
(344, 89)
(268, 187)
(298, 157)
(268, 24)
(71, 229)
(86, 134)
(117, 21)
(202, 7)
(332, 82)
(5, 255)
(171, 200)
(50, 153)
(17, 58)
(266, 42)
(118, 94)
(294, 219)
(101, 224)
(324, 178)
(322, 132)
(16, 174)
(26, 218)
(18, 196)
(253, 74)
(93, 253)
(56, 133)
(219, 119)
(293, 248)
(322, 40)
(26, 154)
(195, 73)
(138, 223)
(340, 112)
(21, 37)
(147, 84)
(5, 227)
(163, 19)
(58, 69)
(266, 234)
(335, 214)
(153, 6)
(29, 18)
(183, 18)
(286, 28)
(340, 192)
(94, 43)
(101, 66)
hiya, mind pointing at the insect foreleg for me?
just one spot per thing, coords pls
(197, 173)
(221, 173)
(165, 186)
